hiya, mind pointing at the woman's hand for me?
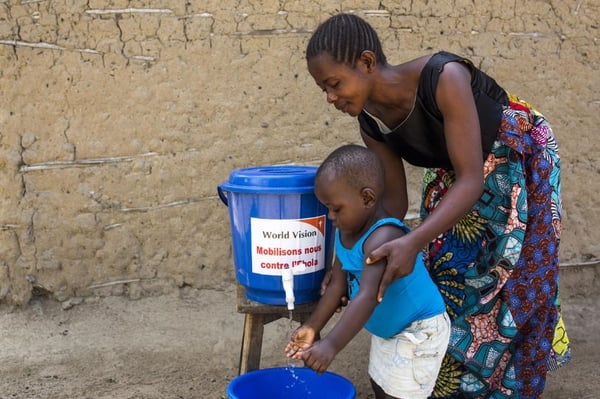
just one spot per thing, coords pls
(301, 340)
(325, 283)
(400, 261)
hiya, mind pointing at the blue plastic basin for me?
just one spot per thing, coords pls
(290, 383)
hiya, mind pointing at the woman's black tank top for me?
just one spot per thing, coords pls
(420, 138)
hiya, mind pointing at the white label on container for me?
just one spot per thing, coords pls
(281, 243)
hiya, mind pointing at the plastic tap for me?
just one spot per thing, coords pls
(287, 278)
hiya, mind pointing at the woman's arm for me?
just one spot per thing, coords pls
(395, 196)
(463, 138)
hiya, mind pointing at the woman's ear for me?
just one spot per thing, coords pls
(368, 197)
(368, 60)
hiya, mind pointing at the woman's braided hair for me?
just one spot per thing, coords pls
(345, 37)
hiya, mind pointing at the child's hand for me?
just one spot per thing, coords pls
(319, 356)
(301, 340)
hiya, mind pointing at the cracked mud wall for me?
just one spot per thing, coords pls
(119, 118)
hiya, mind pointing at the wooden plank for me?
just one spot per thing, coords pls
(257, 315)
(251, 343)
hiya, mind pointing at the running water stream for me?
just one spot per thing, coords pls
(292, 363)
(296, 383)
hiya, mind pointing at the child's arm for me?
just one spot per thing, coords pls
(304, 336)
(320, 355)
(330, 300)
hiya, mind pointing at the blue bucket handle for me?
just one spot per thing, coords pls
(222, 195)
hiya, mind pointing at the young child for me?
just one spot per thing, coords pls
(410, 328)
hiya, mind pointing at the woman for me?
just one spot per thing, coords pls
(490, 206)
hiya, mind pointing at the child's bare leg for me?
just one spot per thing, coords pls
(379, 393)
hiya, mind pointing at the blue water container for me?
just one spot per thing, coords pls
(277, 222)
(290, 383)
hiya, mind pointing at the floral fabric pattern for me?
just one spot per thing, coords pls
(497, 269)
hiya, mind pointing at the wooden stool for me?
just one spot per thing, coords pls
(256, 316)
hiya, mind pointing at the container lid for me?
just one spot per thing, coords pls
(272, 179)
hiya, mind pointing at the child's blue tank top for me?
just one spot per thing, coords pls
(407, 299)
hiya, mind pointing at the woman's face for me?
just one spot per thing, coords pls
(345, 87)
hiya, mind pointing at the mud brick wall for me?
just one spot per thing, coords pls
(118, 119)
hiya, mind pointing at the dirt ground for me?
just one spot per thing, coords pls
(187, 346)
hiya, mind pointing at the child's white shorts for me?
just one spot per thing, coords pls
(407, 365)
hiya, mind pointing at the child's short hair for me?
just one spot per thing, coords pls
(357, 165)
